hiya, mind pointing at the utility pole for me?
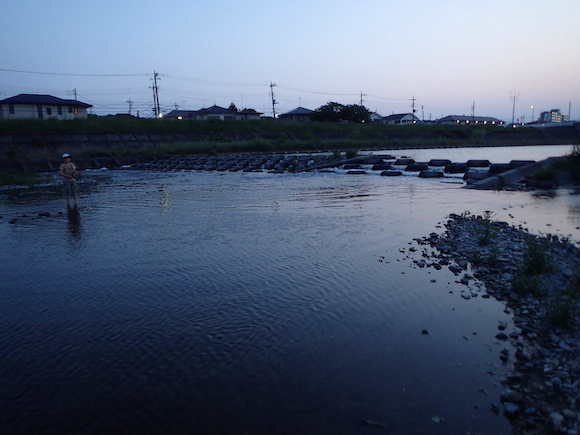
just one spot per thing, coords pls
(514, 97)
(75, 91)
(413, 105)
(532, 113)
(473, 111)
(361, 100)
(130, 104)
(422, 114)
(156, 108)
(273, 100)
(569, 107)
(176, 106)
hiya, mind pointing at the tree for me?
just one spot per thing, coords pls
(233, 107)
(356, 113)
(336, 112)
(330, 112)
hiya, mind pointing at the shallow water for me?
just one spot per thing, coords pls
(250, 303)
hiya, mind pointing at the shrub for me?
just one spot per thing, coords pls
(537, 259)
(351, 153)
(524, 284)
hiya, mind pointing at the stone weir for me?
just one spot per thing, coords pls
(479, 174)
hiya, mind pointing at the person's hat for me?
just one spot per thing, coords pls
(65, 155)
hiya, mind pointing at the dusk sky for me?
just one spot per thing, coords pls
(447, 54)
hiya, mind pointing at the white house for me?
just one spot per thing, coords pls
(401, 118)
(470, 120)
(32, 106)
(375, 117)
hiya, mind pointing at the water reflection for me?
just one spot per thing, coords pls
(74, 224)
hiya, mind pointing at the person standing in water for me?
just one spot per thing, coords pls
(68, 171)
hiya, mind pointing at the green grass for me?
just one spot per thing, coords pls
(564, 310)
(537, 259)
(523, 285)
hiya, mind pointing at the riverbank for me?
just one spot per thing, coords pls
(33, 139)
(538, 278)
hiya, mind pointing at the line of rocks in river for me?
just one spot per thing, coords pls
(389, 165)
(543, 395)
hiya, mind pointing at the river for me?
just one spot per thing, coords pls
(198, 302)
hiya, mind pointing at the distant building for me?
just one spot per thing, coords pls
(470, 120)
(32, 106)
(215, 112)
(248, 115)
(375, 117)
(179, 114)
(401, 118)
(553, 115)
(300, 114)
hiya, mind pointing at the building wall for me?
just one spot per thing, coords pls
(30, 111)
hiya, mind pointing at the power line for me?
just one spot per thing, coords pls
(71, 74)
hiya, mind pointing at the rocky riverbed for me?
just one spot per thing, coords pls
(538, 278)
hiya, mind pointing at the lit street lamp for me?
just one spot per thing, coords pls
(532, 113)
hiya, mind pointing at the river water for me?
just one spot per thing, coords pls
(196, 302)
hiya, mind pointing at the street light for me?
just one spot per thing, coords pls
(532, 113)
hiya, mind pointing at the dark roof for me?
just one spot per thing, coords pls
(43, 99)
(455, 118)
(177, 113)
(216, 110)
(395, 117)
(298, 111)
(249, 112)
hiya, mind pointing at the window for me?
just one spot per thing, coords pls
(76, 110)
(59, 109)
(11, 108)
(69, 109)
(48, 111)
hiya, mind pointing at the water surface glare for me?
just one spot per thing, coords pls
(196, 302)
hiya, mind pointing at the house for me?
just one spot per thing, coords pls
(33, 106)
(375, 117)
(300, 114)
(470, 120)
(179, 114)
(248, 115)
(401, 118)
(214, 112)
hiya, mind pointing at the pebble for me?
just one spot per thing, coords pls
(511, 409)
(557, 420)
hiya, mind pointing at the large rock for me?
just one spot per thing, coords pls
(439, 162)
(519, 163)
(381, 167)
(404, 162)
(417, 167)
(456, 168)
(391, 173)
(498, 168)
(478, 163)
(431, 174)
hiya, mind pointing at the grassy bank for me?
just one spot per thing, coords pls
(38, 139)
